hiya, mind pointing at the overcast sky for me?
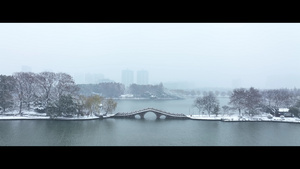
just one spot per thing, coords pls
(262, 55)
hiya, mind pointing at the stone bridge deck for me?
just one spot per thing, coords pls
(157, 112)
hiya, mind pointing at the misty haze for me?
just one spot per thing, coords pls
(144, 84)
(194, 55)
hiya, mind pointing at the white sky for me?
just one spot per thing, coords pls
(262, 55)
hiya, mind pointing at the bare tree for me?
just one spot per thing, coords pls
(46, 82)
(253, 101)
(65, 85)
(238, 99)
(208, 103)
(247, 100)
(198, 104)
(284, 98)
(225, 109)
(216, 109)
(276, 98)
(26, 88)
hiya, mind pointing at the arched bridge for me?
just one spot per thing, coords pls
(157, 112)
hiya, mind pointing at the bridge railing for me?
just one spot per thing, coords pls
(150, 109)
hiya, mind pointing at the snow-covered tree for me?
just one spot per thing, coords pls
(46, 82)
(198, 103)
(208, 103)
(238, 99)
(26, 88)
(7, 86)
(253, 101)
(225, 109)
(80, 101)
(65, 85)
(276, 98)
(64, 106)
(247, 100)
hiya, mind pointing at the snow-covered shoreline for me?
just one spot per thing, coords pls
(225, 118)
(244, 119)
(42, 116)
(47, 118)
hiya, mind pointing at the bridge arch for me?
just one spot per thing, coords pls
(138, 116)
(158, 113)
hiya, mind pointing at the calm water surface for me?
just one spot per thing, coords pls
(148, 131)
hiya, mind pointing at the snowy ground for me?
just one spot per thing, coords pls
(204, 117)
(40, 116)
(108, 115)
(236, 118)
(226, 118)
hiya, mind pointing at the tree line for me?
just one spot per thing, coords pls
(106, 89)
(146, 91)
(252, 101)
(55, 94)
(198, 92)
(115, 90)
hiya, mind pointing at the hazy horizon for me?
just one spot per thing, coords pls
(217, 55)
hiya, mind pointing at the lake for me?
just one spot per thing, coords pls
(148, 131)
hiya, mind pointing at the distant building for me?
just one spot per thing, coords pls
(127, 77)
(126, 96)
(142, 77)
(283, 111)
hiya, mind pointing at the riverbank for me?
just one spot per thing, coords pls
(236, 118)
(42, 116)
(144, 98)
(24, 117)
(225, 118)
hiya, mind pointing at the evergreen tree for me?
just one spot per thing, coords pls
(65, 106)
(7, 87)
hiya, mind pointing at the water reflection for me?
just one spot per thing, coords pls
(148, 131)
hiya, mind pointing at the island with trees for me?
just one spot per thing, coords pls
(49, 95)
(252, 105)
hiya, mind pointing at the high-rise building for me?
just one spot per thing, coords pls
(142, 77)
(127, 77)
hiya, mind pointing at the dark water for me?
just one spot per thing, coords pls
(148, 131)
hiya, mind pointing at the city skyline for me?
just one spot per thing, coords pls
(94, 78)
(263, 55)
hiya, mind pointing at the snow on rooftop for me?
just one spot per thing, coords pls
(283, 109)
